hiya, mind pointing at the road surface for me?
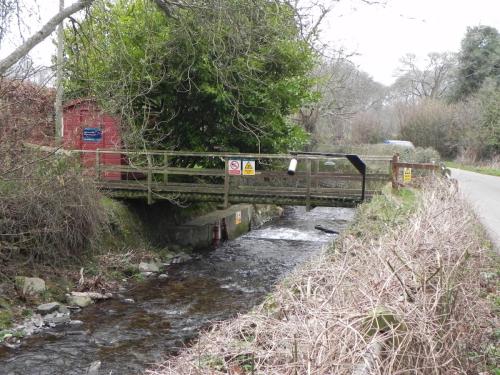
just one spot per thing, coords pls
(484, 193)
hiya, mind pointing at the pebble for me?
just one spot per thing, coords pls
(13, 345)
(163, 276)
(128, 300)
(94, 368)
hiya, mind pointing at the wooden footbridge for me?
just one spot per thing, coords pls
(340, 180)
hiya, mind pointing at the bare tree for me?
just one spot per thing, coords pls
(433, 81)
(345, 91)
(7, 8)
(40, 35)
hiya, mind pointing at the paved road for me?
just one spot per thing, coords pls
(484, 193)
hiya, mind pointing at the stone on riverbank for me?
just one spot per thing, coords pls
(47, 308)
(181, 258)
(56, 318)
(83, 299)
(30, 285)
(149, 267)
(79, 300)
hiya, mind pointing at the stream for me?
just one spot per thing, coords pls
(168, 314)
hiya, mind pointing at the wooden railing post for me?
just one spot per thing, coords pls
(395, 171)
(226, 183)
(316, 171)
(150, 180)
(165, 163)
(308, 184)
(97, 165)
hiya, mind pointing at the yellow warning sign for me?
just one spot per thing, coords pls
(249, 167)
(237, 219)
(406, 175)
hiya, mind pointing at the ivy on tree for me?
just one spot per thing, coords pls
(479, 60)
(215, 75)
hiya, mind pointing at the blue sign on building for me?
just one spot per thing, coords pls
(92, 134)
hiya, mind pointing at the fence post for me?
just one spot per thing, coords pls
(165, 163)
(316, 171)
(395, 171)
(97, 165)
(150, 180)
(308, 185)
(226, 182)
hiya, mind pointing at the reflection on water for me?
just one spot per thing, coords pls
(167, 314)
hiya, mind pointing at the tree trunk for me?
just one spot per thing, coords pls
(59, 95)
(39, 36)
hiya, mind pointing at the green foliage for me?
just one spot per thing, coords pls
(479, 59)
(382, 319)
(5, 319)
(225, 75)
(27, 313)
(472, 168)
(212, 362)
(489, 97)
(420, 155)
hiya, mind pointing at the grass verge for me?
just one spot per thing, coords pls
(409, 288)
(478, 169)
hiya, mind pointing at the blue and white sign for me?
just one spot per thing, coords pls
(92, 134)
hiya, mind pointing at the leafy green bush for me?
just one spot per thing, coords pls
(228, 76)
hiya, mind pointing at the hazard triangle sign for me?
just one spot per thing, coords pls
(248, 167)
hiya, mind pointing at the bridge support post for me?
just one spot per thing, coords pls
(226, 183)
(308, 184)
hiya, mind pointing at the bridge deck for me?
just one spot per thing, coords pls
(241, 194)
(160, 175)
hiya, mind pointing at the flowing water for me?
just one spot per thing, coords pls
(168, 314)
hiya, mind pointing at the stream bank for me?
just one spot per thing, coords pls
(410, 287)
(139, 243)
(157, 317)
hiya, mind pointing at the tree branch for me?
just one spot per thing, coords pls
(39, 36)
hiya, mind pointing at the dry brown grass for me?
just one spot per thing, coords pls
(49, 212)
(405, 302)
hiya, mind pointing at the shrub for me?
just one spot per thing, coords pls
(417, 155)
(48, 210)
(430, 123)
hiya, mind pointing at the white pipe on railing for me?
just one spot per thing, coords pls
(292, 167)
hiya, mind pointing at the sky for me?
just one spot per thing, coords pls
(379, 34)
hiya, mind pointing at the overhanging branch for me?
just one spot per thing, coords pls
(40, 35)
